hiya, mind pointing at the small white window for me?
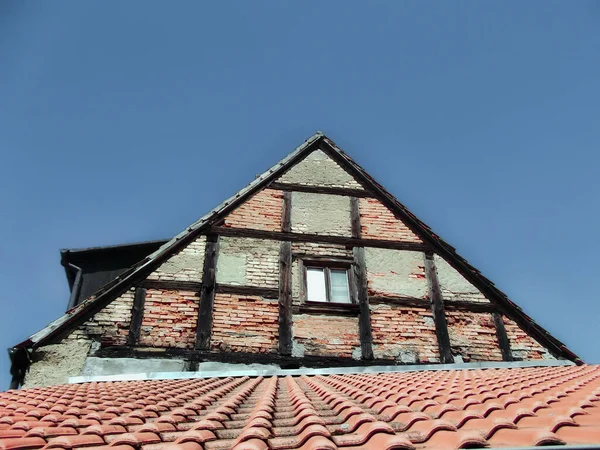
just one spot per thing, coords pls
(339, 286)
(327, 284)
(316, 288)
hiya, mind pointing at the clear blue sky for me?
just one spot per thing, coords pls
(124, 122)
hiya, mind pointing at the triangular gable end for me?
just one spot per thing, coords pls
(316, 166)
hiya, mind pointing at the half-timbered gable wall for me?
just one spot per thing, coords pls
(241, 288)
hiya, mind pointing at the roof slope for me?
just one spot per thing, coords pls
(139, 271)
(513, 407)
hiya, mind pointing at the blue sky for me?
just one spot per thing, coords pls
(126, 121)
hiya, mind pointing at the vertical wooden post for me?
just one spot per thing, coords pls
(137, 314)
(503, 341)
(360, 275)
(285, 280)
(437, 308)
(207, 294)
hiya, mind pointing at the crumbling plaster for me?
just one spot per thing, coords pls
(396, 272)
(186, 265)
(54, 364)
(248, 262)
(321, 214)
(318, 169)
(453, 285)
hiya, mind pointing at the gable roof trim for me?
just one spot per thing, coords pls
(454, 259)
(120, 284)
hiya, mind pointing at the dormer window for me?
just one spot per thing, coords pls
(327, 284)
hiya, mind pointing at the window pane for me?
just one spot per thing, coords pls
(339, 286)
(315, 285)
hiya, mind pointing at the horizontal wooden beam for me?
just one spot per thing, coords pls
(328, 309)
(196, 286)
(319, 238)
(258, 291)
(347, 192)
(284, 361)
(172, 285)
(460, 305)
(410, 302)
(450, 305)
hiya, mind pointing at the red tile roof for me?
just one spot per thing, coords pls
(514, 407)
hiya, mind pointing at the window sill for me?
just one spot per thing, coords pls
(335, 309)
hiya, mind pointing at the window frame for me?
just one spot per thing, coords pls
(327, 264)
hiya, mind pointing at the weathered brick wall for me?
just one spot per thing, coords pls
(325, 336)
(262, 211)
(406, 334)
(317, 169)
(170, 319)
(473, 336)
(321, 214)
(378, 222)
(248, 262)
(243, 323)
(185, 265)
(453, 285)
(523, 346)
(312, 249)
(396, 273)
(110, 326)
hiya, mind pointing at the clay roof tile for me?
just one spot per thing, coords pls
(460, 408)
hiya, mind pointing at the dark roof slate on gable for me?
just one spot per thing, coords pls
(138, 272)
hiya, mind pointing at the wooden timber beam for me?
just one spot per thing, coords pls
(320, 239)
(437, 308)
(360, 275)
(207, 293)
(172, 285)
(248, 290)
(285, 280)
(238, 357)
(503, 341)
(294, 187)
(137, 315)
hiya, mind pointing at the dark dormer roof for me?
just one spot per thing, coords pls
(100, 265)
